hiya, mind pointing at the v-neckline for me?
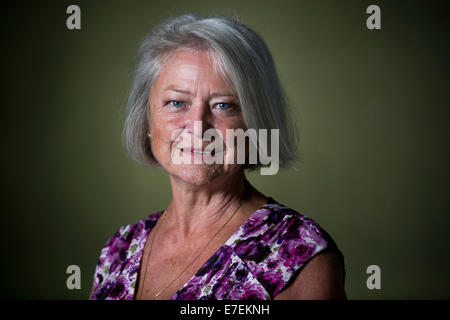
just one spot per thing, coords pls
(269, 201)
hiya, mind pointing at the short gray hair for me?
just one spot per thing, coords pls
(238, 50)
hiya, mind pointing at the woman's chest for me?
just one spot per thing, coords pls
(164, 271)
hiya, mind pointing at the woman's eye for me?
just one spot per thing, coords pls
(176, 104)
(224, 106)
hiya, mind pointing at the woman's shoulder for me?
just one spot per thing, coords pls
(275, 223)
(277, 241)
(121, 246)
(117, 245)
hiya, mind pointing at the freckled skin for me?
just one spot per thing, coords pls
(187, 90)
(193, 73)
(252, 264)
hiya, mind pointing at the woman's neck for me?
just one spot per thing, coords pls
(197, 208)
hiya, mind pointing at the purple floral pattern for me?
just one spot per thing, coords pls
(256, 262)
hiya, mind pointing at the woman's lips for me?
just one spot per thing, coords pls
(197, 152)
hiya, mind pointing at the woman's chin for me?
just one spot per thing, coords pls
(199, 175)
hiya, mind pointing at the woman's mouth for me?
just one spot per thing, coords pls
(194, 151)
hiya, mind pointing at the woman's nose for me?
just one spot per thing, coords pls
(198, 115)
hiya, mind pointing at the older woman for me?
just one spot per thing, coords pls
(219, 238)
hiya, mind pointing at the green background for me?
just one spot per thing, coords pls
(371, 108)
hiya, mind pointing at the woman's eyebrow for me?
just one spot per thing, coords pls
(212, 95)
(222, 94)
(173, 88)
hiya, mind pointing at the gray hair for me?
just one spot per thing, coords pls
(238, 50)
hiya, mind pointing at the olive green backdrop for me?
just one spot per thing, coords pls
(371, 107)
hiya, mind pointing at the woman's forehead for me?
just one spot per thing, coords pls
(186, 71)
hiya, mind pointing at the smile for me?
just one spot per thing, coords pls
(197, 151)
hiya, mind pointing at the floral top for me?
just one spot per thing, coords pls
(256, 262)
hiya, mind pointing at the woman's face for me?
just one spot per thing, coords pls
(188, 90)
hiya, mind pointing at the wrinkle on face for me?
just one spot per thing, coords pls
(191, 77)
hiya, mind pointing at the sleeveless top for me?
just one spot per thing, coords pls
(262, 256)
